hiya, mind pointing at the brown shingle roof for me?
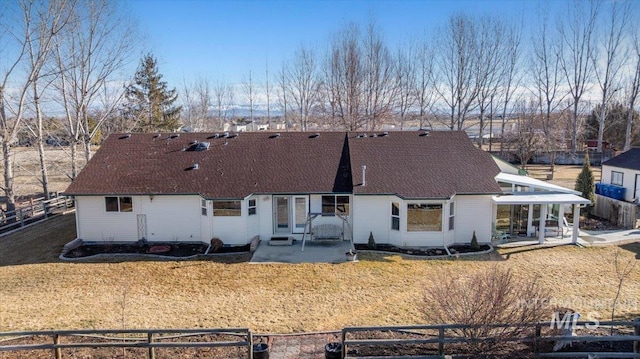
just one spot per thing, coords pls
(402, 163)
(231, 168)
(438, 165)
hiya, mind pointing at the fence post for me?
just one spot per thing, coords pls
(536, 339)
(636, 332)
(21, 217)
(152, 352)
(441, 342)
(250, 338)
(343, 336)
(57, 351)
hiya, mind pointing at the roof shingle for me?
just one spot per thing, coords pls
(629, 159)
(435, 166)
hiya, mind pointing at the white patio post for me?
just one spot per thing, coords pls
(530, 227)
(542, 223)
(576, 223)
(561, 218)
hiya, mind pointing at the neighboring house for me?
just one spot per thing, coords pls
(624, 171)
(407, 188)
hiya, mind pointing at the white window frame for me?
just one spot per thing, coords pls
(252, 208)
(427, 204)
(452, 216)
(237, 211)
(614, 175)
(119, 201)
(335, 204)
(203, 207)
(395, 218)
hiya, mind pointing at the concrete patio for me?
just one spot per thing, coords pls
(314, 252)
(585, 238)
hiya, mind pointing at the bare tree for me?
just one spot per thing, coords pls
(487, 67)
(527, 139)
(267, 89)
(546, 80)
(197, 103)
(425, 96)
(379, 87)
(249, 89)
(510, 76)
(577, 33)
(282, 92)
(405, 78)
(344, 80)
(223, 97)
(632, 90)
(455, 64)
(89, 58)
(30, 28)
(302, 84)
(608, 58)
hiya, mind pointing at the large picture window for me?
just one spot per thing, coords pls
(423, 217)
(227, 209)
(335, 204)
(118, 204)
(617, 178)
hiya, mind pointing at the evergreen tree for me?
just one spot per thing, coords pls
(585, 182)
(150, 104)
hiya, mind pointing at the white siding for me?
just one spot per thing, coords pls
(372, 214)
(628, 180)
(169, 218)
(253, 221)
(473, 213)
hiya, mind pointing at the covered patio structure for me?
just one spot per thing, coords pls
(527, 192)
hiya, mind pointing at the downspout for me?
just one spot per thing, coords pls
(364, 174)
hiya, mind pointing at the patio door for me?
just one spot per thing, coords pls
(300, 211)
(281, 214)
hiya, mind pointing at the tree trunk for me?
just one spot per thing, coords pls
(74, 159)
(8, 178)
(44, 179)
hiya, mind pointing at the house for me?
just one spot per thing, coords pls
(623, 171)
(406, 188)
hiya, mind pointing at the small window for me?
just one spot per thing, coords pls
(617, 178)
(118, 204)
(335, 204)
(452, 211)
(252, 207)
(395, 216)
(226, 209)
(111, 204)
(203, 207)
(342, 205)
(126, 204)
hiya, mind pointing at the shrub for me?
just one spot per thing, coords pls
(484, 298)
(474, 242)
(585, 183)
(372, 242)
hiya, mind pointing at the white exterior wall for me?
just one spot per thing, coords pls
(473, 213)
(628, 180)
(253, 221)
(265, 216)
(168, 218)
(372, 214)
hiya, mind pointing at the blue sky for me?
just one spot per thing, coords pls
(222, 40)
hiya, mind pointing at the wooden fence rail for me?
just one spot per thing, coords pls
(134, 338)
(36, 209)
(437, 334)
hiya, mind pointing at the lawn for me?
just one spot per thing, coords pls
(38, 291)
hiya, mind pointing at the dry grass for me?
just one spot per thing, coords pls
(39, 292)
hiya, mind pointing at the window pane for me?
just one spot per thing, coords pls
(451, 223)
(111, 204)
(451, 208)
(424, 217)
(126, 204)
(395, 209)
(395, 223)
(328, 204)
(204, 211)
(616, 178)
(342, 205)
(252, 207)
(226, 208)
